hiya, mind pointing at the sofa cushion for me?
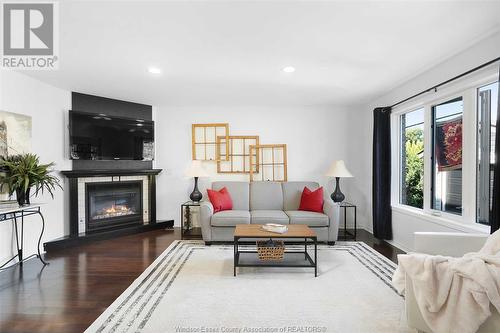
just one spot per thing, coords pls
(221, 200)
(312, 201)
(292, 191)
(307, 218)
(230, 218)
(268, 216)
(266, 196)
(239, 192)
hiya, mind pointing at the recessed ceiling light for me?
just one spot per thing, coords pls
(154, 70)
(288, 69)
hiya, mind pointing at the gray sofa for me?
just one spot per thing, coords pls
(266, 202)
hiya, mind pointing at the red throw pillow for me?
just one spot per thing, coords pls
(221, 200)
(312, 200)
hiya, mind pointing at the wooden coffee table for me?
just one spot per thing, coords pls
(295, 233)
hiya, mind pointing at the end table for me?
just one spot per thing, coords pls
(345, 205)
(187, 229)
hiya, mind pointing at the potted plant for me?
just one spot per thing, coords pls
(23, 173)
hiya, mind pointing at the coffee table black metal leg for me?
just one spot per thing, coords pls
(305, 248)
(234, 255)
(315, 257)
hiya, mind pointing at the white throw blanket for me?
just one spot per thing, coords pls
(454, 294)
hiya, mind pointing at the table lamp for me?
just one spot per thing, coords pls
(338, 170)
(196, 170)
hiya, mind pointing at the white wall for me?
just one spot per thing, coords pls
(405, 225)
(47, 106)
(315, 136)
(358, 160)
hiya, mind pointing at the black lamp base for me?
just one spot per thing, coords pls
(196, 195)
(337, 195)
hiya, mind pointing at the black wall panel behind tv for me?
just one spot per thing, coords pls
(112, 107)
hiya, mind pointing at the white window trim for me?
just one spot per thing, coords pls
(467, 88)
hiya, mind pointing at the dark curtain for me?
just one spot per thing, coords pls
(382, 216)
(495, 212)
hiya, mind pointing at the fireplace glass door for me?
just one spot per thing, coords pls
(113, 204)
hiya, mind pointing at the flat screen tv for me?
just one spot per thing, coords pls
(102, 137)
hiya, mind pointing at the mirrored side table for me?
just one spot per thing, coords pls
(188, 230)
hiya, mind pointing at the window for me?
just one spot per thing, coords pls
(412, 159)
(487, 97)
(446, 191)
(443, 152)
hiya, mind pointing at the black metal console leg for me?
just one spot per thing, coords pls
(18, 247)
(40, 239)
(21, 213)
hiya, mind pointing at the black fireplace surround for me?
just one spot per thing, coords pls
(113, 204)
(107, 223)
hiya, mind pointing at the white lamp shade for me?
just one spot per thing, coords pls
(196, 170)
(338, 169)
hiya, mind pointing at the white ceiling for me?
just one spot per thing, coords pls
(232, 52)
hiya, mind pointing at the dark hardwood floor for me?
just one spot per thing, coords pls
(81, 282)
(380, 246)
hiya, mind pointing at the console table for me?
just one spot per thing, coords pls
(16, 213)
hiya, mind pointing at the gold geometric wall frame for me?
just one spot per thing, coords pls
(268, 163)
(238, 161)
(204, 141)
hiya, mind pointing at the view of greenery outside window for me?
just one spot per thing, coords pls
(487, 97)
(447, 156)
(412, 159)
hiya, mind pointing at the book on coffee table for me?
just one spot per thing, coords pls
(273, 227)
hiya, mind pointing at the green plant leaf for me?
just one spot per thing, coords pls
(25, 171)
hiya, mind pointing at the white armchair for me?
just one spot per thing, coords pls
(446, 244)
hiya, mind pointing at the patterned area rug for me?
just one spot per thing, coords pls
(191, 288)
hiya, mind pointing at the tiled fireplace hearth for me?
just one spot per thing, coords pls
(108, 203)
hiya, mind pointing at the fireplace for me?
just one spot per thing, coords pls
(106, 203)
(113, 204)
